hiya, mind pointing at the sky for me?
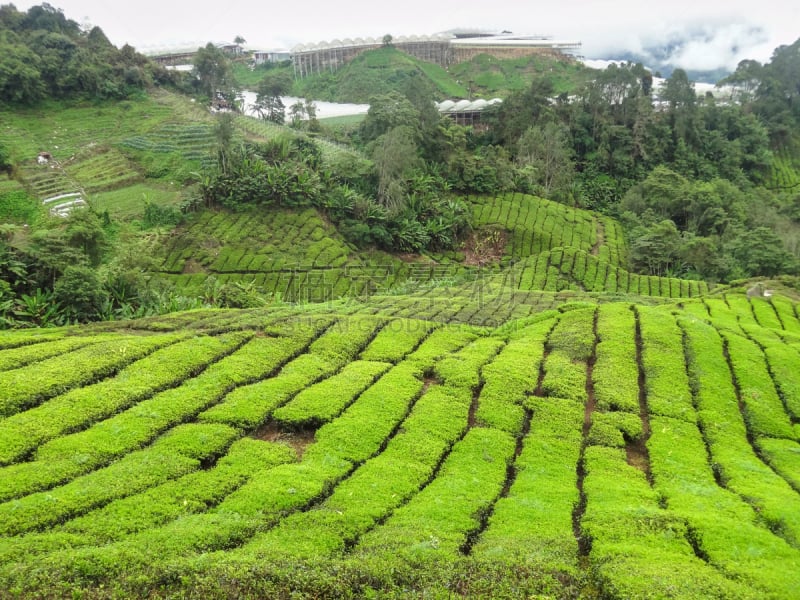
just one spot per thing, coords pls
(722, 32)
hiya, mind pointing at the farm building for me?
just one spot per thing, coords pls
(466, 112)
(261, 57)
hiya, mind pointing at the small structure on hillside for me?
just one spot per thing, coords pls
(759, 290)
(262, 57)
(466, 112)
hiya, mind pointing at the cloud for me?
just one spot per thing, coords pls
(699, 46)
(713, 47)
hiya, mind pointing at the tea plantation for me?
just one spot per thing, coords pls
(598, 447)
(522, 416)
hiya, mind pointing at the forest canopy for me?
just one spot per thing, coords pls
(43, 54)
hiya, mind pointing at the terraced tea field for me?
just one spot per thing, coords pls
(534, 225)
(785, 170)
(551, 252)
(613, 450)
(294, 255)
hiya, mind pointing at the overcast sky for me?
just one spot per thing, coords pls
(725, 31)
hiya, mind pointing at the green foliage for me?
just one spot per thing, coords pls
(79, 407)
(321, 402)
(46, 378)
(450, 457)
(45, 55)
(615, 375)
(17, 207)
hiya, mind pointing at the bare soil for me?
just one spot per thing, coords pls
(273, 432)
(485, 247)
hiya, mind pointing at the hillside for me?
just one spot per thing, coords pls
(114, 156)
(599, 451)
(549, 354)
(387, 69)
(520, 246)
(118, 156)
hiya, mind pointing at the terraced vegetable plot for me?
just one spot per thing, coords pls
(599, 451)
(106, 169)
(192, 142)
(90, 158)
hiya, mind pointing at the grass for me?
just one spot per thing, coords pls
(129, 202)
(343, 121)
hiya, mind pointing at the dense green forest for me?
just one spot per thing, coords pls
(44, 55)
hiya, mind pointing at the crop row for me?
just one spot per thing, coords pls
(645, 451)
(256, 242)
(18, 338)
(70, 455)
(476, 304)
(104, 171)
(194, 492)
(532, 523)
(719, 386)
(375, 416)
(78, 408)
(31, 353)
(248, 406)
(783, 171)
(571, 269)
(26, 387)
(438, 419)
(535, 224)
(193, 142)
(73, 454)
(172, 455)
(48, 183)
(613, 248)
(311, 284)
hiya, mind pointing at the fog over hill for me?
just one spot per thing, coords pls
(707, 52)
(696, 36)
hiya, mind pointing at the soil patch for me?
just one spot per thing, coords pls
(273, 432)
(485, 247)
(601, 238)
(192, 266)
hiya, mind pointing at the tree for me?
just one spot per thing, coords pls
(680, 95)
(744, 81)
(80, 293)
(760, 251)
(387, 112)
(657, 251)
(394, 154)
(214, 74)
(510, 119)
(20, 76)
(84, 231)
(269, 105)
(239, 40)
(663, 192)
(223, 133)
(546, 150)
